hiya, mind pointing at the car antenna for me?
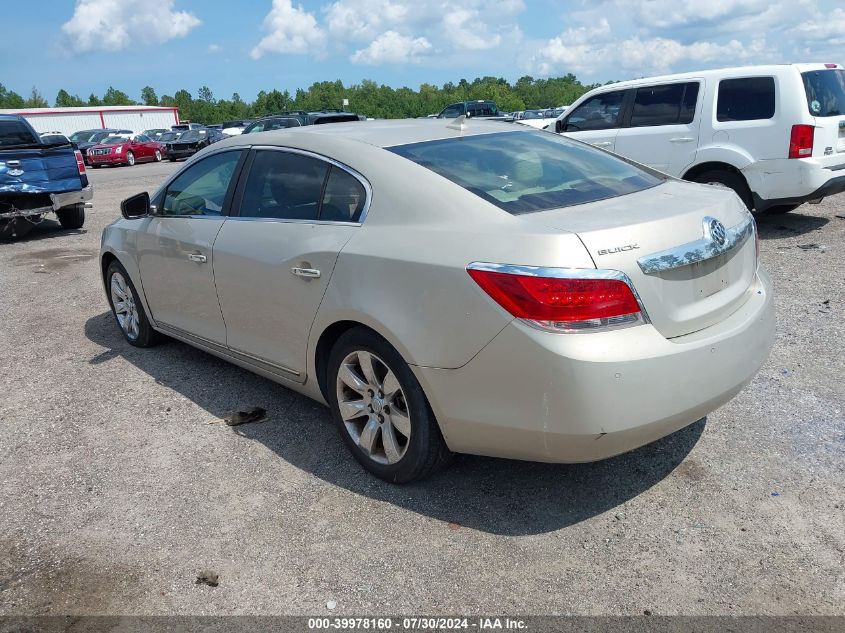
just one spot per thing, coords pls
(459, 124)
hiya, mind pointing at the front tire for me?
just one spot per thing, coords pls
(127, 308)
(72, 217)
(724, 178)
(381, 410)
(130, 158)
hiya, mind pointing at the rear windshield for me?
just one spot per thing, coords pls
(825, 92)
(16, 133)
(522, 172)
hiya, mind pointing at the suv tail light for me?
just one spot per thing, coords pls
(80, 162)
(801, 141)
(561, 299)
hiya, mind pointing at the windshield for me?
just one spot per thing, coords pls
(16, 133)
(114, 140)
(81, 137)
(825, 92)
(522, 172)
(190, 135)
(532, 114)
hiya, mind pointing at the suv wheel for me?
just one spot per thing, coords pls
(724, 178)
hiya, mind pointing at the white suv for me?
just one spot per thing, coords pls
(773, 134)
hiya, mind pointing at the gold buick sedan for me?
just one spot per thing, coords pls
(471, 287)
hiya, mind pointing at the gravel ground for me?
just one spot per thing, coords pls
(120, 484)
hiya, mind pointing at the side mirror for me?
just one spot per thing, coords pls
(137, 206)
(559, 126)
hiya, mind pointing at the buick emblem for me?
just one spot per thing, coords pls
(16, 171)
(717, 231)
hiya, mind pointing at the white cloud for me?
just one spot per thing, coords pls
(290, 30)
(113, 25)
(461, 27)
(392, 48)
(828, 28)
(214, 48)
(365, 19)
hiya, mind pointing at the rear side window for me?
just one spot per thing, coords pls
(596, 113)
(344, 197)
(746, 99)
(284, 186)
(670, 104)
(15, 133)
(522, 172)
(825, 91)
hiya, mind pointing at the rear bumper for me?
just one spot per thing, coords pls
(792, 181)
(583, 397)
(57, 201)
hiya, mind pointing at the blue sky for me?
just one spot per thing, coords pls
(249, 45)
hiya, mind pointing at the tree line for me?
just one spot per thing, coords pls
(368, 98)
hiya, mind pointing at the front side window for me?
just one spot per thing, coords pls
(670, 104)
(201, 189)
(528, 171)
(454, 111)
(746, 99)
(596, 113)
(284, 185)
(825, 91)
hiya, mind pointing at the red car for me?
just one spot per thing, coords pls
(125, 150)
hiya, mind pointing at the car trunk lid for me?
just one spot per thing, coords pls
(663, 239)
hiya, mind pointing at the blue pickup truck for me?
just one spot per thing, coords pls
(37, 179)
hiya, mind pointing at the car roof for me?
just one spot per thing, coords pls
(728, 72)
(387, 133)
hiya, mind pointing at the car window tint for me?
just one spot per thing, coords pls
(825, 90)
(522, 172)
(142, 139)
(596, 113)
(15, 133)
(284, 185)
(344, 197)
(453, 112)
(657, 105)
(746, 99)
(689, 102)
(201, 189)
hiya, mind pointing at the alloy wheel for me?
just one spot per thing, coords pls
(130, 158)
(158, 156)
(125, 309)
(373, 407)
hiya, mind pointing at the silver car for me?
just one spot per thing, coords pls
(470, 287)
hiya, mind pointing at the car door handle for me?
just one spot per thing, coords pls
(603, 144)
(197, 257)
(308, 273)
(681, 139)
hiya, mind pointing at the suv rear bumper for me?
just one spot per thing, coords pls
(792, 181)
(57, 201)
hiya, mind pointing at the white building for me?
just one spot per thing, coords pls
(70, 120)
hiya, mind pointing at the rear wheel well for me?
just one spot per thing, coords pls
(737, 178)
(324, 347)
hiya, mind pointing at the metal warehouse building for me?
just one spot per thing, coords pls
(70, 120)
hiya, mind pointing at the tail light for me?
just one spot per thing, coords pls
(801, 141)
(80, 162)
(561, 299)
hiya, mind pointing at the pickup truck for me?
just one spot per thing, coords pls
(37, 178)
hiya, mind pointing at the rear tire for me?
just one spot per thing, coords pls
(72, 217)
(127, 308)
(158, 156)
(408, 450)
(781, 209)
(724, 178)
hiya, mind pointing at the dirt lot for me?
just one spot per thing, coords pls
(120, 484)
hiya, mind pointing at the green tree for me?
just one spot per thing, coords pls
(115, 97)
(66, 100)
(36, 100)
(10, 99)
(149, 96)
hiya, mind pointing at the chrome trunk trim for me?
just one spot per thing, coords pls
(701, 250)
